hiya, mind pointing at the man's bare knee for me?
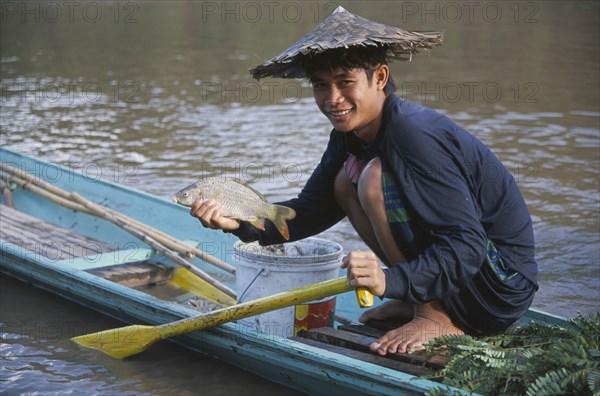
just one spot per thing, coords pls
(369, 184)
(343, 190)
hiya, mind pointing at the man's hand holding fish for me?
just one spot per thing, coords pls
(210, 215)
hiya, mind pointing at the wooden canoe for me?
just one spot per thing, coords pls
(95, 263)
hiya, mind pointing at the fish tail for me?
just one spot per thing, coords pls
(258, 222)
(279, 216)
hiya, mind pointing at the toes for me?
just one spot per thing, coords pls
(403, 347)
(382, 350)
(374, 346)
(394, 341)
(392, 348)
(414, 347)
(385, 343)
(410, 347)
(380, 346)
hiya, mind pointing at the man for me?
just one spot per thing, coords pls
(429, 199)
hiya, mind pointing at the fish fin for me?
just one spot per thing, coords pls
(258, 222)
(248, 186)
(280, 215)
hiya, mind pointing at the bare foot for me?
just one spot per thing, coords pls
(430, 321)
(391, 309)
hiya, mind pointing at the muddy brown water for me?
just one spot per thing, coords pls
(157, 94)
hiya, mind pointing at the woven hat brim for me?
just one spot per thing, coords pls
(342, 29)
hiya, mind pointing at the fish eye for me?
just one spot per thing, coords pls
(185, 194)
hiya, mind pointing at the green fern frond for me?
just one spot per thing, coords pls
(443, 391)
(537, 359)
(548, 385)
(593, 380)
(588, 325)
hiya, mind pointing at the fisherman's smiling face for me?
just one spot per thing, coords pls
(351, 100)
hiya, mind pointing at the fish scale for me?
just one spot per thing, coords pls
(236, 199)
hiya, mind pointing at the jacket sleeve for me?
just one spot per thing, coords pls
(316, 207)
(426, 164)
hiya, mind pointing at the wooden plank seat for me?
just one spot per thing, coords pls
(57, 243)
(354, 341)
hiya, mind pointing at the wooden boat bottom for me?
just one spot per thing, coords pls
(48, 240)
(63, 246)
(354, 340)
(57, 244)
(152, 276)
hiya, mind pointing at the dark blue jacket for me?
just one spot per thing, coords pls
(456, 191)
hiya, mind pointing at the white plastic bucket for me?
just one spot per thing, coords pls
(266, 270)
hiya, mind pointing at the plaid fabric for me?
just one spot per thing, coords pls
(396, 213)
(494, 260)
(353, 167)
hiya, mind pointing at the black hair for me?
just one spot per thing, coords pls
(355, 57)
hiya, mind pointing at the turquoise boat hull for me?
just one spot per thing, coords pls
(288, 362)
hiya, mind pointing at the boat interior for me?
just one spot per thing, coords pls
(156, 276)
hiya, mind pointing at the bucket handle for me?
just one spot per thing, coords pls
(240, 299)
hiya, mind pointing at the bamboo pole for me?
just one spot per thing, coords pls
(100, 212)
(190, 251)
(171, 242)
(76, 202)
(85, 206)
(8, 198)
(44, 193)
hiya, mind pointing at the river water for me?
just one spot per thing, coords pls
(157, 94)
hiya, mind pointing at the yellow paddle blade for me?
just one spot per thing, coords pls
(188, 281)
(130, 340)
(122, 342)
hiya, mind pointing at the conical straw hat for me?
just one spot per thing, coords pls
(343, 29)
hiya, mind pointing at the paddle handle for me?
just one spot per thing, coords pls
(364, 297)
(285, 299)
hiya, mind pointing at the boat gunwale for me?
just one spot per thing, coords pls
(86, 178)
(169, 311)
(328, 362)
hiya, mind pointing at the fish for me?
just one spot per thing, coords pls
(237, 200)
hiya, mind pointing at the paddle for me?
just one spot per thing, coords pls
(131, 340)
